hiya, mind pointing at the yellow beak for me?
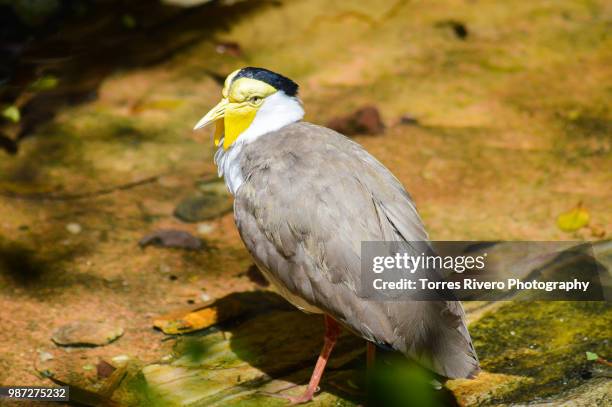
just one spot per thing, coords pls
(216, 114)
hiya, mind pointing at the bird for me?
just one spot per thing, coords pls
(305, 197)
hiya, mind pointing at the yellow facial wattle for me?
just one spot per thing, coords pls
(236, 121)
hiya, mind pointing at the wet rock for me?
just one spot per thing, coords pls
(597, 392)
(171, 238)
(86, 333)
(366, 120)
(210, 201)
(540, 371)
(203, 206)
(485, 386)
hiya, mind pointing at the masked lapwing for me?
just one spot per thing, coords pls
(305, 197)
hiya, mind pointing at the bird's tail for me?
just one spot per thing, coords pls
(452, 351)
(440, 340)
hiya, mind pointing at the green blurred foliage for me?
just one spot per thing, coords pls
(33, 12)
(397, 382)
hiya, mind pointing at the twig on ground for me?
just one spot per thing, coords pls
(84, 195)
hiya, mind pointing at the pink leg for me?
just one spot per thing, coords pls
(332, 330)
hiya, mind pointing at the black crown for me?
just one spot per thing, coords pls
(274, 79)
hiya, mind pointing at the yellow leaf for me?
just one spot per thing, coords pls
(199, 317)
(573, 220)
(46, 82)
(11, 113)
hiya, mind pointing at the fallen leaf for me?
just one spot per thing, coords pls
(12, 113)
(205, 315)
(573, 220)
(190, 322)
(104, 369)
(592, 356)
(46, 82)
(171, 238)
(202, 317)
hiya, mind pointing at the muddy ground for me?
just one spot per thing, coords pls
(512, 127)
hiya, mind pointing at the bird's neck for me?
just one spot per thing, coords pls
(277, 111)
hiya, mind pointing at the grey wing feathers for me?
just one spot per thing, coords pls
(309, 199)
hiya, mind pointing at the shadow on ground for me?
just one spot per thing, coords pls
(79, 52)
(270, 350)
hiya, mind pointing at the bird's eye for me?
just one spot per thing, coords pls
(255, 99)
